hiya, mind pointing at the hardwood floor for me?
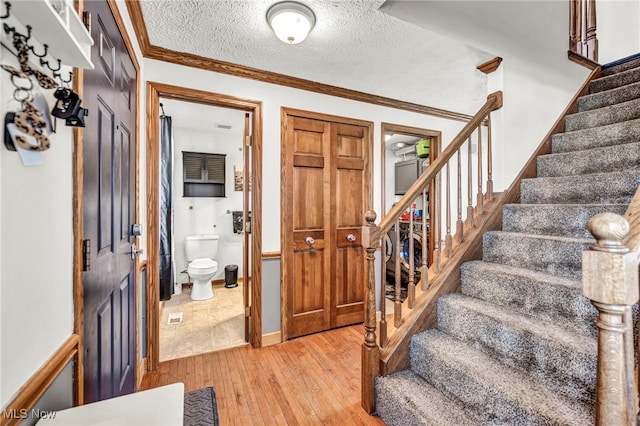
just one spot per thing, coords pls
(312, 380)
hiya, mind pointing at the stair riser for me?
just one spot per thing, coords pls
(614, 134)
(633, 63)
(612, 188)
(395, 410)
(620, 157)
(486, 403)
(616, 80)
(530, 295)
(561, 368)
(601, 117)
(546, 255)
(406, 399)
(608, 98)
(563, 220)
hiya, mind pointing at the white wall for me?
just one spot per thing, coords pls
(195, 215)
(36, 252)
(618, 29)
(537, 79)
(274, 98)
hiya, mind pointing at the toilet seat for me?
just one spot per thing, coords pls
(203, 266)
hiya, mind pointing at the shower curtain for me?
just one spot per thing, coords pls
(166, 209)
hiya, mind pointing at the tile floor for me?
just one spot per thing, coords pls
(206, 326)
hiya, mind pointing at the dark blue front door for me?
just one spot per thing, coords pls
(109, 209)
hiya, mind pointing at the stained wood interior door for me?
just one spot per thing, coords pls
(350, 194)
(326, 191)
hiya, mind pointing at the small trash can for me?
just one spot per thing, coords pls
(231, 276)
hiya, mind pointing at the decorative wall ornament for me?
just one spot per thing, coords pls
(28, 128)
(238, 178)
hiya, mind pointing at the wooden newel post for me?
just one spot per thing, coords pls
(610, 280)
(370, 349)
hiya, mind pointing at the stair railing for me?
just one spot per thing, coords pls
(582, 28)
(611, 280)
(428, 188)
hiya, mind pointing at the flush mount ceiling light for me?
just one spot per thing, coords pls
(291, 21)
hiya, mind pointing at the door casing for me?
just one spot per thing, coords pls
(155, 91)
(436, 142)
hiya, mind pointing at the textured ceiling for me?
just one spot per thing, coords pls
(353, 46)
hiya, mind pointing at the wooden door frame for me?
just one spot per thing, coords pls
(285, 113)
(155, 91)
(435, 148)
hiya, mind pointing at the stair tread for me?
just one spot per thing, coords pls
(624, 64)
(541, 328)
(549, 253)
(546, 277)
(559, 238)
(534, 293)
(609, 97)
(555, 219)
(586, 175)
(611, 134)
(484, 384)
(409, 395)
(590, 160)
(618, 79)
(592, 188)
(622, 111)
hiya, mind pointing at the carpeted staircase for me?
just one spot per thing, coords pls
(517, 345)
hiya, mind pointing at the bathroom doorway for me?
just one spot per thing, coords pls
(217, 136)
(204, 126)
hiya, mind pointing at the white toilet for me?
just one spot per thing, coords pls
(200, 251)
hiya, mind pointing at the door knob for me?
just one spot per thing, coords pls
(310, 240)
(136, 230)
(351, 238)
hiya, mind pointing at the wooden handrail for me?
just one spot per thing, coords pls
(494, 102)
(429, 181)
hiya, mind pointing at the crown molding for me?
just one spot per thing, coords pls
(162, 54)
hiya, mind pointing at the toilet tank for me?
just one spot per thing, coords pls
(201, 246)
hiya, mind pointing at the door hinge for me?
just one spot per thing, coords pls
(248, 140)
(86, 20)
(86, 255)
(247, 311)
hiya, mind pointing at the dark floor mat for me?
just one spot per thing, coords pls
(200, 408)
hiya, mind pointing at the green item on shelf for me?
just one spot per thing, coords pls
(422, 148)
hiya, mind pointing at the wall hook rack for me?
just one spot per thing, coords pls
(30, 126)
(46, 64)
(7, 13)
